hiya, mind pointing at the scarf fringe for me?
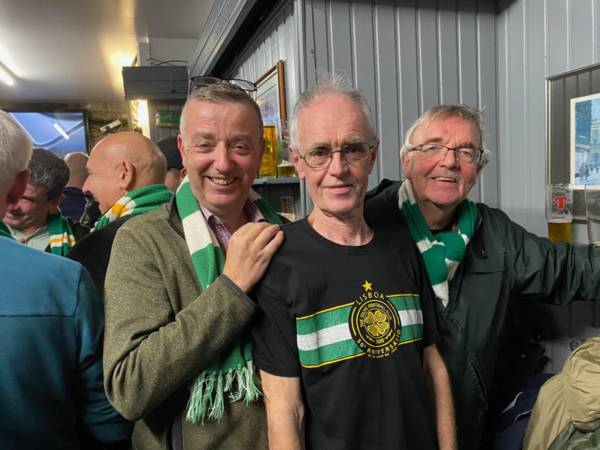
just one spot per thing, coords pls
(207, 393)
(233, 372)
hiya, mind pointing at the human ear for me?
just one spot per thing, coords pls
(404, 158)
(261, 151)
(295, 156)
(126, 175)
(373, 155)
(181, 147)
(53, 204)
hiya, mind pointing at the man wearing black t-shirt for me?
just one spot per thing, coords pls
(345, 343)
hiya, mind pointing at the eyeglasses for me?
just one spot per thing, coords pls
(468, 155)
(200, 81)
(320, 157)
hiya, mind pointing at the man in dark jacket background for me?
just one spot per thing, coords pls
(74, 199)
(477, 259)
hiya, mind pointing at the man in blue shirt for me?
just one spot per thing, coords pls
(51, 324)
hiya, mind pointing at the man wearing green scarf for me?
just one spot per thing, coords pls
(125, 176)
(35, 219)
(177, 357)
(477, 259)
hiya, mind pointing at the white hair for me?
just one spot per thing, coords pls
(464, 112)
(15, 149)
(329, 84)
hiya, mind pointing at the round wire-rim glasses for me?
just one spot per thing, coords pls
(466, 154)
(321, 157)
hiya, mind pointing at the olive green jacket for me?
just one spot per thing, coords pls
(502, 261)
(162, 331)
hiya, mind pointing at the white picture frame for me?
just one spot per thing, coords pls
(585, 140)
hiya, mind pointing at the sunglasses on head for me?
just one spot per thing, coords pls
(201, 81)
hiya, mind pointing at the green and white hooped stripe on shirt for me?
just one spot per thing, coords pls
(325, 337)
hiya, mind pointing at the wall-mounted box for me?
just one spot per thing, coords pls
(155, 82)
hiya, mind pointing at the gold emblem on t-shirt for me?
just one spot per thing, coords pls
(374, 323)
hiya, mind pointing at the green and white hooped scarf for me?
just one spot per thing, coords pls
(60, 231)
(442, 252)
(233, 372)
(61, 234)
(138, 201)
(4, 231)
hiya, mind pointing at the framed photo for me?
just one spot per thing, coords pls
(270, 96)
(563, 92)
(585, 140)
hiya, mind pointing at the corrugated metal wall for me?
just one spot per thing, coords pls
(276, 40)
(406, 56)
(403, 55)
(538, 39)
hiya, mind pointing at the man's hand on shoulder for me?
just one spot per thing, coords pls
(249, 252)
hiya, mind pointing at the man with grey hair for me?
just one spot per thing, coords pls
(476, 258)
(35, 219)
(51, 323)
(176, 354)
(346, 340)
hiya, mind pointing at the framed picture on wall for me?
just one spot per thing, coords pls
(271, 99)
(585, 140)
(563, 92)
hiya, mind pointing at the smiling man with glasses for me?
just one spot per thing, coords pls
(477, 260)
(345, 343)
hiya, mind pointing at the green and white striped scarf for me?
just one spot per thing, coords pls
(233, 372)
(4, 231)
(138, 201)
(61, 234)
(60, 231)
(442, 252)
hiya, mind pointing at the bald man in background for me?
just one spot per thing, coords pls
(126, 173)
(74, 201)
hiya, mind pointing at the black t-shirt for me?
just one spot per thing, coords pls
(352, 323)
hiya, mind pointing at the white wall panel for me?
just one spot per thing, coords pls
(274, 41)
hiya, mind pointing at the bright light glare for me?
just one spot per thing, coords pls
(6, 76)
(62, 132)
(142, 117)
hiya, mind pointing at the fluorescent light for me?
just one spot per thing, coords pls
(6, 75)
(142, 116)
(62, 132)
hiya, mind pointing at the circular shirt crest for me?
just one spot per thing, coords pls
(375, 324)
